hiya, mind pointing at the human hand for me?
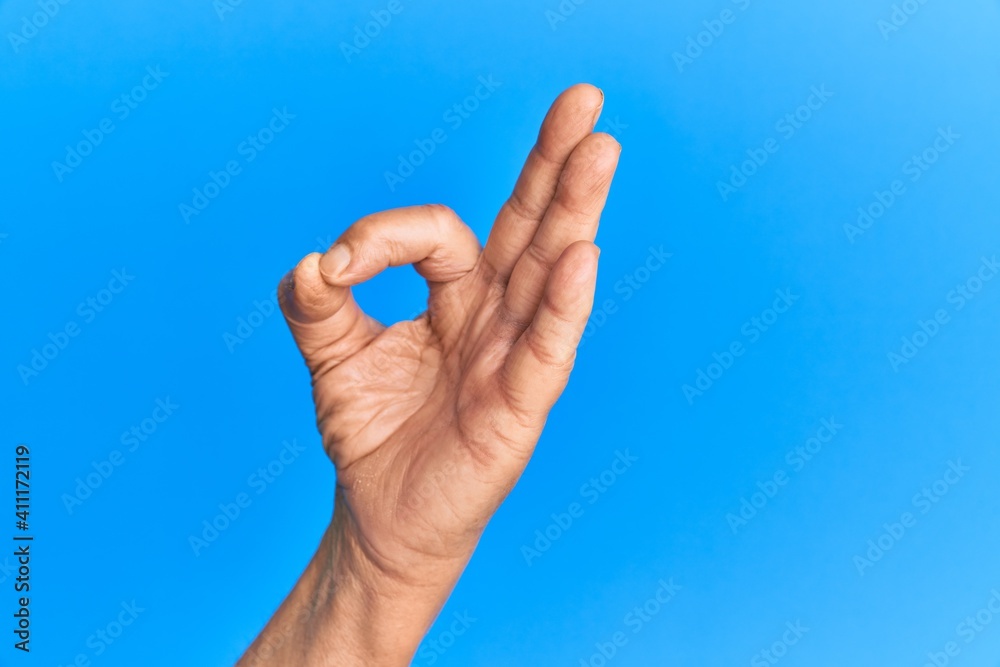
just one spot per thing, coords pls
(430, 422)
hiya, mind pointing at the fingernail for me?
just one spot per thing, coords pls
(600, 107)
(336, 260)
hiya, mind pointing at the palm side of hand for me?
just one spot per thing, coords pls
(430, 422)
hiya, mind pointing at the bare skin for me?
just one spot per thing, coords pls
(431, 422)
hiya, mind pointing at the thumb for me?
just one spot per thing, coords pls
(325, 320)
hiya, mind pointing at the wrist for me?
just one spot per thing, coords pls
(368, 613)
(350, 608)
(380, 613)
(340, 613)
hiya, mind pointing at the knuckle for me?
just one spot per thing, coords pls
(538, 255)
(510, 323)
(444, 217)
(563, 318)
(525, 411)
(551, 351)
(541, 152)
(517, 205)
(577, 198)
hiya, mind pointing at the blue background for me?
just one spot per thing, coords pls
(683, 128)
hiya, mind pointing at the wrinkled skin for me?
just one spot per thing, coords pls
(431, 422)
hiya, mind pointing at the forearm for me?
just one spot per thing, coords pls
(343, 612)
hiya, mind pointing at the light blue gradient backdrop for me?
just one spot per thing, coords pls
(163, 336)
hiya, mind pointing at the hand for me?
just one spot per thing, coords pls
(430, 422)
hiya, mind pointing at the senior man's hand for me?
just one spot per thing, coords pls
(430, 422)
